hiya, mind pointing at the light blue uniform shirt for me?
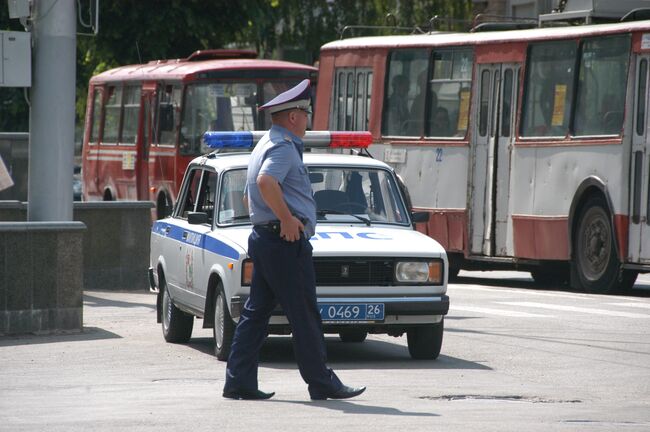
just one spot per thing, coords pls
(279, 155)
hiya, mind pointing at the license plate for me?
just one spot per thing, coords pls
(354, 312)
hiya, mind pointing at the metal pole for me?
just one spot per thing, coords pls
(52, 114)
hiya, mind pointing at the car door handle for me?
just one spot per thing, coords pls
(167, 229)
(184, 235)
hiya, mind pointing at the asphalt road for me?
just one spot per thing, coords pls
(515, 358)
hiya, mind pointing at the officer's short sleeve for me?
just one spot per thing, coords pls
(277, 162)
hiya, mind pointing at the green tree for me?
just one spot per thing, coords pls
(137, 32)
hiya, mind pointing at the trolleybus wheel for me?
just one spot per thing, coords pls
(176, 324)
(425, 342)
(224, 328)
(596, 265)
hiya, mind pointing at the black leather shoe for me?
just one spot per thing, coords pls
(247, 394)
(344, 392)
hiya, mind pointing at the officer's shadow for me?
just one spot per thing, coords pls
(356, 408)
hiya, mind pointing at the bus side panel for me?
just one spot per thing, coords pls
(430, 172)
(548, 177)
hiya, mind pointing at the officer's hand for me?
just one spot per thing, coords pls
(290, 229)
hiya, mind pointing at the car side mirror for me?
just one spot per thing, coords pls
(420, 216)
(197, 218)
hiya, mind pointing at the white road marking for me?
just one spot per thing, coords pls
(636, 305)
(500, 312)
(522, 291)
(577, 309)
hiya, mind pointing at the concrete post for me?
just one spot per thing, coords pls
(52, 114)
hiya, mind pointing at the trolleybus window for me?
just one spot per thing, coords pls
(404, 69)
(549, 89)
(351, 99)
(449, 93)
(601, 85)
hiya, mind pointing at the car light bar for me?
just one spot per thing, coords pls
(312, 139)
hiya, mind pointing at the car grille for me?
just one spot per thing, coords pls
(353, 271)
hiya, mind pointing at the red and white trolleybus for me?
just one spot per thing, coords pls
(144, 122)
(530, 148)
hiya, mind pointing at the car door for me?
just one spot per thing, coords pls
(196, 267)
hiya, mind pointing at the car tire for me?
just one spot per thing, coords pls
(425, 342)
(224, 327)
(353, 335)
(176, 324)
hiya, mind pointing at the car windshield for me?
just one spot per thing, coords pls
(342, 195)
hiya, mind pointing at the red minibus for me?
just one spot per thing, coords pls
(145, 122)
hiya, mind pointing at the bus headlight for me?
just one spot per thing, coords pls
(419, 272)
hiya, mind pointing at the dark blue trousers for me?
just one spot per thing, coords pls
(282, 272)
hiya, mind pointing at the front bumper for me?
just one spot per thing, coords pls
(393, 306)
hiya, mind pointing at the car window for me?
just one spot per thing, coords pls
(190, 192)
(232, 207)
(206, 196)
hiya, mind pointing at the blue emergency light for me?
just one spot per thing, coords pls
(217, 140)
(322, 139)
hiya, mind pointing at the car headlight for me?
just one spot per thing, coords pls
(419, 272)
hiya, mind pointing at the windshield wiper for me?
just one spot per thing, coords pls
(324, 212)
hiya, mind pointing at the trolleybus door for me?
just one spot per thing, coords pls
(639, 240)
(144, 142)
(491, 225)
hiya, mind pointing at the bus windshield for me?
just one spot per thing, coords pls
(224, 106)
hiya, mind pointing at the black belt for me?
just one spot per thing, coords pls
(274, 226)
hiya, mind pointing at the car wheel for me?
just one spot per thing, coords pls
(224, 327)
(353, 335)
(425, 342)
(176, 324)
(595, 261)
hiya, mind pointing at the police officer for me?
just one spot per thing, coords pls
(283, 213)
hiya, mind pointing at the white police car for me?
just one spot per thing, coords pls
(374, 272)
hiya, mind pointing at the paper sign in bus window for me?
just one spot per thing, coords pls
(558, 105)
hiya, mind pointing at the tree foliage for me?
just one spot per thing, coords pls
(140, 31)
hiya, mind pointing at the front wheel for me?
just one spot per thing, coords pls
(224, 328)
(176, 324)
(596, 265)
(425, 342)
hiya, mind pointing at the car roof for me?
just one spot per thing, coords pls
(224, 161)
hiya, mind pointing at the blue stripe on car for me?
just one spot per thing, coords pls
(196, 239)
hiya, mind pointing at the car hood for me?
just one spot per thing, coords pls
(376, 240)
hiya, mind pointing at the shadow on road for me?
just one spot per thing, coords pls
(88, 334)
(277, 353)
(357, 408)
(96, 301)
